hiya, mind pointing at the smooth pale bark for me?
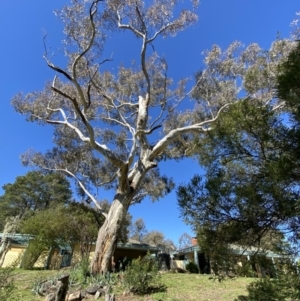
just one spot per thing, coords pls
(108, 235)
(109, 232)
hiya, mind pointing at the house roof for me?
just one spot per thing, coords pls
(23, 239)
(239, 250)
(134, 244)
(17, 239)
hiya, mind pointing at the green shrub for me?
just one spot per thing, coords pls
(263, 290)
(245, 270)
(192, 267)
(285, 287)
(80, 272)
(6, 283)
(32, 254)
(142, 276)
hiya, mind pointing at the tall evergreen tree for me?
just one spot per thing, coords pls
(250, 192)
(31, 193)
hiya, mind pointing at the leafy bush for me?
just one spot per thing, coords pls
(142, 276)
(263, 290)
(32, 254)
(80, 272)
(192, 267)
(285, 287)
(6, 283)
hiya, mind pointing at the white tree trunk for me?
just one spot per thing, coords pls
(108, 235)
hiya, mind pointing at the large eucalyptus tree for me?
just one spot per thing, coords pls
(113, 128)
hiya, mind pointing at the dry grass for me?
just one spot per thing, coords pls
(180, 287)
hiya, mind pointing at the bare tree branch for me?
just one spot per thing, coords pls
(165, 141)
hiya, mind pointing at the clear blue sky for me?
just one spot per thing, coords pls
(22, 27)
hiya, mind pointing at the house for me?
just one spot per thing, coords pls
(16, 246)
(123, 254)
(258, 263)
(66, 255)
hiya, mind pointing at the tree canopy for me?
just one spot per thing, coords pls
(138, 230)
(156, 238)
(250, 192)
(185, 241)
(33, 192)
(65, 225)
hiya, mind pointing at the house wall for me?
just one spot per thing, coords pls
(55, 259)
(76, 254)
(122, 256)
(13, 256)
(55, 256)
(41, 262)
(177, 264)
(119, 255)
(15, 253)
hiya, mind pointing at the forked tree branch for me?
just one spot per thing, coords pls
(96, 203)
(173, 134)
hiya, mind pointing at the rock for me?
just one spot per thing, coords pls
(46, 287)
(50, 297)
(83, 294)
(109, 297)
(126, 293)
(75, 296)
(62, 288)
(92, 289)
(88, 297)
(98, 295)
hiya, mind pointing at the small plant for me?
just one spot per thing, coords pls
(6, 283)
(104, 280)
(36, 286)
(192, 267)
(80, 273)
(142, 276)
(43, 287)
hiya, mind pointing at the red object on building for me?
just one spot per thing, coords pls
(194, 241)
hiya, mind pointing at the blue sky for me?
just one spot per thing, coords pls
(22, 27)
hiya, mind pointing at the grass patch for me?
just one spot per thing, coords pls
(24, 281)
(190, 287)
(187, 287)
